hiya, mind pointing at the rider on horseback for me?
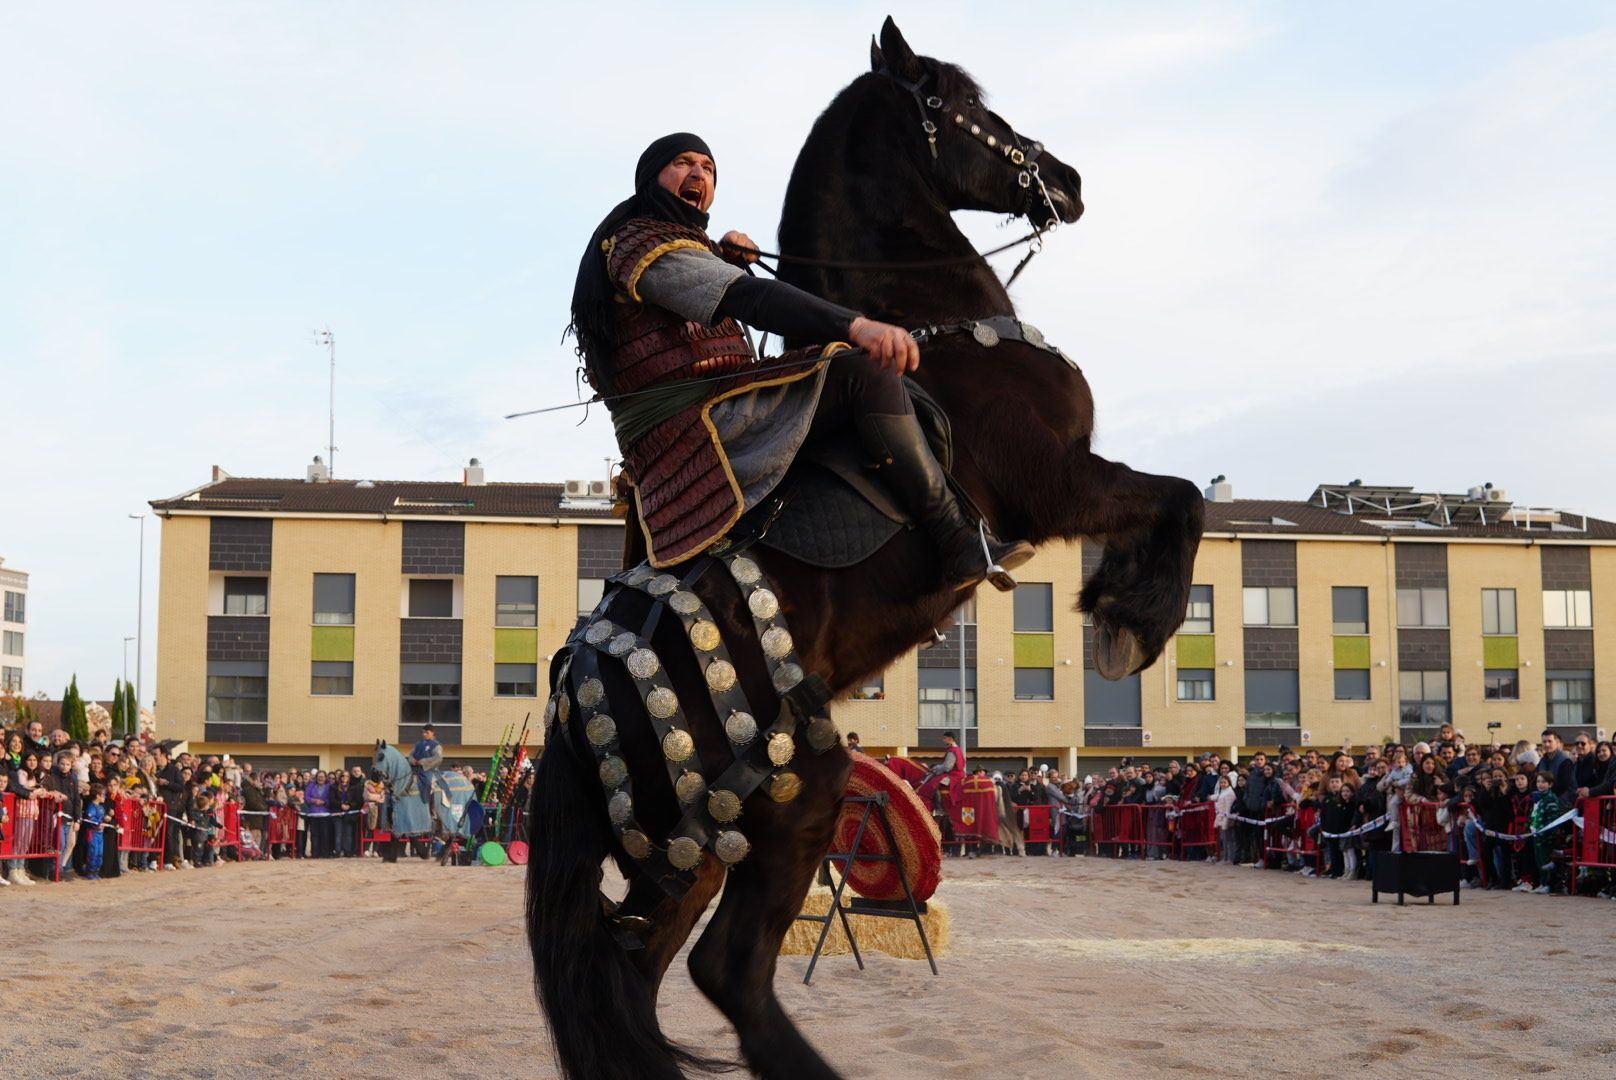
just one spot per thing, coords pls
(425, 757)
(707, 428)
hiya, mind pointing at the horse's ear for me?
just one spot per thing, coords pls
(899, 56)
(877, 61)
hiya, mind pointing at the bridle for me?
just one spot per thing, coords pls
(1024, 159)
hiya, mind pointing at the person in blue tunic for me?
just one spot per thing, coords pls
(425, 758)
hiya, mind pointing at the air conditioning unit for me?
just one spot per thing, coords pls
(598, 489)
(1307, 737)
(577, 489)
(1144, 738)
(1498, 495)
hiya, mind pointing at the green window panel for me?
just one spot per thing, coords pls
(1197, 651)
(1501, 652)
(332, 644)
(1351, 652)
(516, 646)
(1035, 650)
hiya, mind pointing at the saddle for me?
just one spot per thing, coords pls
(832, 511)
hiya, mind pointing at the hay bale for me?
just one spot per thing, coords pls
(895, 937)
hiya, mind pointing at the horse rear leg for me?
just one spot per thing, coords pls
(734, 960)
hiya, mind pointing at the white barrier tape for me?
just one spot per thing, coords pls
(267, 813)
(1173, 815)
(1265, 823)
(1379, 823)
(1570, 815)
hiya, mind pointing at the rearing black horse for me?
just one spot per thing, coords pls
(898, 149)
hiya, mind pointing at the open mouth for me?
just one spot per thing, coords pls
(692, 194)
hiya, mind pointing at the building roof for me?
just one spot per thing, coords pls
(1347, 510)
(393, 498)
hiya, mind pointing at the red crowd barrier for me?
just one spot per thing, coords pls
(1597, 845)
(32, 831)
(1197, 828)
(143, 825)
(1037, 823)
(1160, 825)
(368, 837)
(282, 828)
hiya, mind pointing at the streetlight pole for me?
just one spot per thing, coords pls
(329, 340)
(126, 723)
(140, 624)
(126, 642)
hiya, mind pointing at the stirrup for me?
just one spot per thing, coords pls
(997, 576)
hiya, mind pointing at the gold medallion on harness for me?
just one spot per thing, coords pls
(591, 692)
(662, 585)
(689, 787)
(622, 644)
(763, 604)
(661, 703)
(685, 602)
(600, 730)
(781, 748)
(786, 676)
(643, 663)
(731, 847)
(636, 843)
(677, 745)
(683, 853)
(550, 711)
(1032, 335)
(985, 335)
(639, 575)
(740, 727)
(704, 635)
(599, 632)
(776, 643)
(822, 734)
(745, 571)
(720, 676)
(620, 808)
(613, 772)
(785, 786)
(724, 805)
(564, 707)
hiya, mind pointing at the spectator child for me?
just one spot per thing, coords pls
(1545, 808)
(95, 815)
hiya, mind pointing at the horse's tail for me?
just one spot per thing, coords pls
(601, 1011)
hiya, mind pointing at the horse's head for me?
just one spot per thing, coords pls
(978, 160)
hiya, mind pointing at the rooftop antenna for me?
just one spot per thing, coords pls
(329, 340)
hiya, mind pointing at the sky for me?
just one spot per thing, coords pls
(1322, 241)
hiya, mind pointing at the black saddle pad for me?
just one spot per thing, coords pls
(824, 522)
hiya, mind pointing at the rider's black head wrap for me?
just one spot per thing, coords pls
(592, 293)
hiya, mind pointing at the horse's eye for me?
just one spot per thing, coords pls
(971, 102)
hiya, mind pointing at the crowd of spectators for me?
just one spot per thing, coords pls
(78, 785)
(1465, 790)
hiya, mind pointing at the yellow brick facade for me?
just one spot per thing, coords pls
(302, 724)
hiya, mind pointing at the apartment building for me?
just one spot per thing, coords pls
(300, 620)
(13, 627)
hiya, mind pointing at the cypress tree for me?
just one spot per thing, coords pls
(117, 708)
(73, 715)
(131, 710)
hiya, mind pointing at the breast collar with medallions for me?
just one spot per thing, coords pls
(581, 715)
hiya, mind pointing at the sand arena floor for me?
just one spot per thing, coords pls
(1069, 967)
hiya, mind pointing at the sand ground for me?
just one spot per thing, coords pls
(1060, 967)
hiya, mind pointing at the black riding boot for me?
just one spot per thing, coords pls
(920, 484)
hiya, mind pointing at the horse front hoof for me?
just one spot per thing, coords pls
(1117, 652)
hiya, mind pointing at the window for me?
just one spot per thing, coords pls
(1571, 698)
(431, 598)
(1196, 684)
(429, 693)
(1035, 684)
(238, 701)
(11, 643)
(1422, 607)
(1498, 611)
(940, 698)
(874, 688)
(1270, 607)
(590, 590)
(1424, 697)
(333, 599)
(516, 601)
(1351, 685)
(11, 679)
(1501, 685)
(1567, 608)
(1035, 642)
(1198, 617)
(1273, 699)
(516, 680)
(1349, 605)
(332, 678)
(1035, 608)
(16, 607)
(246, 596)
(1110, 704)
